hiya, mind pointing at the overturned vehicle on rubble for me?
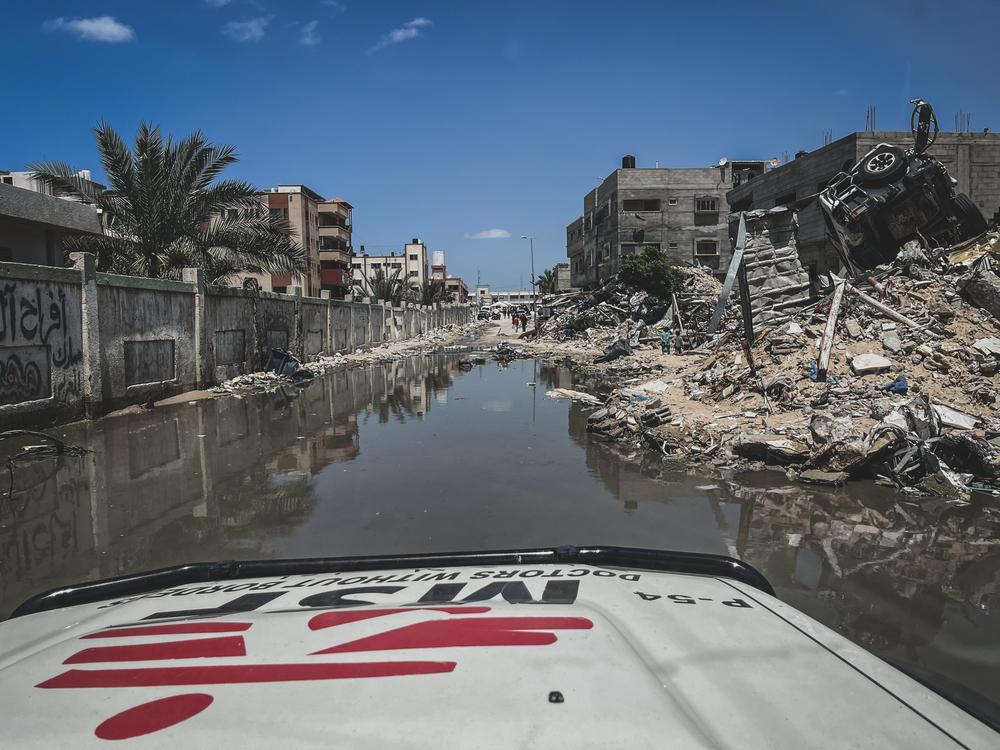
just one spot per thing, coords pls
(894, 195)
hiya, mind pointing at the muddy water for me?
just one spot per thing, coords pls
(419, 456)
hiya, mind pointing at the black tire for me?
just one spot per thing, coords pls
(973, 221)
(883, 165)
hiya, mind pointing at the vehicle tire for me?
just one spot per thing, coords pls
(973, 221)
(884, 165)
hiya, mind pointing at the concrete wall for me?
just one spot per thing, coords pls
(74, 342)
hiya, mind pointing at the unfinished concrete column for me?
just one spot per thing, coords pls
(90, 344)
(196, 277)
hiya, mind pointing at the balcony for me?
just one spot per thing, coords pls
(335, 231)
(334, 255)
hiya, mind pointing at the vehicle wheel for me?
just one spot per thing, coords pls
(973, 221)
(882, 166)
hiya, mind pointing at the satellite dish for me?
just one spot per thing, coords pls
(723, 161)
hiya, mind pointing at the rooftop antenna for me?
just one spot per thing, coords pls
(827, 137)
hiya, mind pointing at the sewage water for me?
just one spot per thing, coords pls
(417, 455)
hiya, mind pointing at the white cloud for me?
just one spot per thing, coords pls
(409, 30)
(98, 29)
(308, 35)
(251, 30)
(488, 234)
(217, 3)
(336, 7)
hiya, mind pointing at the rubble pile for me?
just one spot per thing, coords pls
(283, 369)
(616, 314)
(908, 394)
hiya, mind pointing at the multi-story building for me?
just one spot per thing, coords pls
(681, 211)
(972, 159)
(458, 288)
(410, 266)
(299, 206)
(335, 247)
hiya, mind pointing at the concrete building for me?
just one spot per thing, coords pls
(33, 224)
(487, 296)
(458, 288)
(973, 159)
(681, 211)
(299, 206)
(411, 265)
(335, 248)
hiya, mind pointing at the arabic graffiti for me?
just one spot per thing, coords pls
(21, 374)
(36, 337)
(36, 314)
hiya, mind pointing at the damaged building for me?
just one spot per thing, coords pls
(682, 211)
(972, 159)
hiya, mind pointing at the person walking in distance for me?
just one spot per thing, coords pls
(524, 323)
(515, 320)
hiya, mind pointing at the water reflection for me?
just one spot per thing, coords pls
(418, 456)
(175, 484)
(917, 580)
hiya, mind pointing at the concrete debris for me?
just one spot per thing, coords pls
(921, 324)
(283, 369)
(868, 363)
(574, 395)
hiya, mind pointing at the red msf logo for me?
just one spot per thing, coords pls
(221, 641)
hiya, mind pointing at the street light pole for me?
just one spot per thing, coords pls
(534, 301)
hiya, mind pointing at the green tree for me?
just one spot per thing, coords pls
(385, 287)
(164, 210)
(547, 281)
(649, 271)
(429, 293)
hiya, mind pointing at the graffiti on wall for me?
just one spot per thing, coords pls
(24, 374)
(35, 339)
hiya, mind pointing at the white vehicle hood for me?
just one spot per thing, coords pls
(521, 656)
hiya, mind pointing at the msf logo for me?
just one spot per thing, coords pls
(138, 656)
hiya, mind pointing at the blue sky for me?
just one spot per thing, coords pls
(443, 120)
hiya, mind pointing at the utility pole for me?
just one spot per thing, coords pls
(534, 306)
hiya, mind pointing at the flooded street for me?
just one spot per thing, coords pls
(419, 456)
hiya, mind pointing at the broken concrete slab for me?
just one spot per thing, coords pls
(868, 363)
(853, 328)
(829, 478)
(826, 428)
(892, 342)
(983, 290)
(574, 395)
(988, 346)
(953, 418)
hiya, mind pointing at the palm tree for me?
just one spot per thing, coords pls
(164, 210)
(429, 293)
(547, 281)
(385, 287)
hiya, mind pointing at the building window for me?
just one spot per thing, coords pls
(413, 257)
(706, 247)
(672, 245)
(641, 205)
(414, 273)
(671, 201)
(706, 205)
